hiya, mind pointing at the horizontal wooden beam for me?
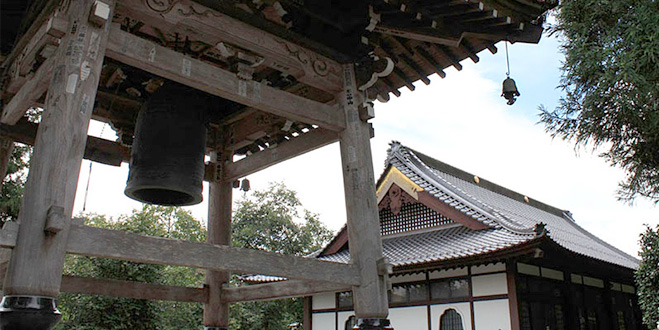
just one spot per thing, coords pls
(279, 290)
(97, 149)
(214, 27)
(28, 94)
(286, 150)
(103, 243)
(130, 289)
(151, 57)
(414, 35)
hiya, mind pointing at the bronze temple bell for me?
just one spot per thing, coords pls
(167, 159)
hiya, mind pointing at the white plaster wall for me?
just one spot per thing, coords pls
(491, 315)
(323, 321)
(487, 285)
(463, 309)
(323, 301)
(448, 273)
(409, 318)
(491, 268)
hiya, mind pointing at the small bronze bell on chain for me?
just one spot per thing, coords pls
(510, 91)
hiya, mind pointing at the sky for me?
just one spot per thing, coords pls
(460, 120)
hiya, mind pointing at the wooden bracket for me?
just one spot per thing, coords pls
(8, 234)
(99, 14)
(55, 220)
(366, 111)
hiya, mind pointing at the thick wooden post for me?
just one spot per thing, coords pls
(216, 312)
(34, 273)
(370, 297)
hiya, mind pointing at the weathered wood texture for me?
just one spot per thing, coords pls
(96, 242)
(29, 93)
(129, 289)
(286, 150)
(370, 297)
(96, 149)
(214, 27)
(151, 57)
(216, 311)
(38, 258)
(280, 290)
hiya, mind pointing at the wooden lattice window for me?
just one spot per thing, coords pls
(450, 320)
(411, 217)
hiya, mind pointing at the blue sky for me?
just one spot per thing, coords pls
(460, 120)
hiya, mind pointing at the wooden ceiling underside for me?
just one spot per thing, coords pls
(290, 49)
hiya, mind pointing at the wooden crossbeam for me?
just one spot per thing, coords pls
(96, 149)
(103, 243)
(286, 150)
(151, 57)
(28, 94)
(213, 27)
(130, 289)
(280, 290)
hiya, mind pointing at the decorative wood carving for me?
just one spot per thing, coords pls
(395, 199)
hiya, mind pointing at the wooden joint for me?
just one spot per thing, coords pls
(366, 111)
(55, 220)
(100, 13)
(9, 234)
(213, 172)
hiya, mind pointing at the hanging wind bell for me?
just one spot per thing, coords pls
(510, 91)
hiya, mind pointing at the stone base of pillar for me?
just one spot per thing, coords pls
(372, 324)
(28, 313)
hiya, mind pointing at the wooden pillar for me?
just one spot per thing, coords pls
(216, 312)
(6, 148)
(513, 301)
(370, 297)
(34, 272)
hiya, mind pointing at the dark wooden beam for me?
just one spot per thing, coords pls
(103, 243)
(280, 290)
(28, 94)
(428, 58)
(286, 150)
(151, 57)
(130, 289)
(96, 149)
(442, 51)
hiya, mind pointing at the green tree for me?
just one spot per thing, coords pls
(610, 80)
(274, 220)
(12, 185)
(85, 312)
(647, 277)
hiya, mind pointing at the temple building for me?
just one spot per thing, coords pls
(468, 254)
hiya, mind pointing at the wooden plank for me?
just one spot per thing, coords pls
(216, 309)
(279, 290)
(370, 297)
(38, 257)
(214, 27)
(130, 289)
(6, 148)
(96, 149)
(149, 56)
(29, 93)
(286, 150)
(96, 242)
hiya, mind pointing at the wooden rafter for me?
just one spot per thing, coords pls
(279, 290)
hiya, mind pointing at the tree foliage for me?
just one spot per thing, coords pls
(12, 185)
(270, 220)
(610, 80)
(84, 312)
(647, 277)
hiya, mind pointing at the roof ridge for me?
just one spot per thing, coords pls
(470, 201)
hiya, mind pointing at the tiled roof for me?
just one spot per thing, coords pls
(511, 219)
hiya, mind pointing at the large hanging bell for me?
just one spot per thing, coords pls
(510, 91)
(167, 160)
